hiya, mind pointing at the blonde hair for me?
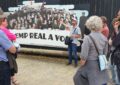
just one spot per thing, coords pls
(94, 23)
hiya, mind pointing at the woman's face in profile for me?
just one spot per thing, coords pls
(4, 22)
(116, 24)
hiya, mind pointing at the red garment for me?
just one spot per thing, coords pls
(10, 35)
(105, 31)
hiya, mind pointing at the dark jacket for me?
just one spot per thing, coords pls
(115, 58)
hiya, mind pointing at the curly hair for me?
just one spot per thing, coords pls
(94, 23)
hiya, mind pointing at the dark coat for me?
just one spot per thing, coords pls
(116, 40)
(82, 24)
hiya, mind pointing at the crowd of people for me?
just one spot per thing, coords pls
(89, 72)
(42, 18)
(107, 44)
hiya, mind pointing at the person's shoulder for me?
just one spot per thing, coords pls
(2, 33)
(78, 27)
(104, 37)
(86, 37)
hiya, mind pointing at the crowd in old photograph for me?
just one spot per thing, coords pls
(42, 18)
(98, 42)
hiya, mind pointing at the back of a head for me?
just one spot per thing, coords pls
(94, 23)
(104, 19)
(83, 13)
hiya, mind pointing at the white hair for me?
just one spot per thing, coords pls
(94, 23)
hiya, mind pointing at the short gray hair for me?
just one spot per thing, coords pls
(94, 23)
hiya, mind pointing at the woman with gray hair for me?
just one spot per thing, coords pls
(89, 73)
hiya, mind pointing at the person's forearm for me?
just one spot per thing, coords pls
(12, 49)
(77, 36)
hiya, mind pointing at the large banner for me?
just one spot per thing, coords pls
(49, 38)
(43, 25)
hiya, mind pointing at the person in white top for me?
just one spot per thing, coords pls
(72, 47)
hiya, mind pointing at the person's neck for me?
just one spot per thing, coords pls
(74, 26)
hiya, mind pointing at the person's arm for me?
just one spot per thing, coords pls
(75, 35)
(106, 48)
(110, 42)
(12, 49)
(6, 43)
(84, 51)
(10, 35)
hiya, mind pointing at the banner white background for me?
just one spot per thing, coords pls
(37, 37)
(28, 28)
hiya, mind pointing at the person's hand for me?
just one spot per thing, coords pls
(82, 62)
(115, 25)
(110, 41)
(73, 35)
